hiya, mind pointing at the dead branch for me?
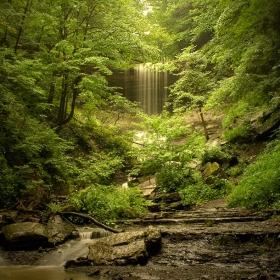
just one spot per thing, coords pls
(89, 218)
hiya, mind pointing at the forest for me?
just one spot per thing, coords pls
(61, 123)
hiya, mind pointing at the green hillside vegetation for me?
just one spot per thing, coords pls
(60, 133)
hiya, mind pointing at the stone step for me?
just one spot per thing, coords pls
(196, 220)
(210, 214)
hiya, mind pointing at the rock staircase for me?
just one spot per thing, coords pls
(214, 240)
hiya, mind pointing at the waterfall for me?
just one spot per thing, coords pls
(144, 84)
(148, 86)
(93, 233)
(51, 267)
(74, 248)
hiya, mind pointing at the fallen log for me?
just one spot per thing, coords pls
(85, 216)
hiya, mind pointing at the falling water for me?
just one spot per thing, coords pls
(144, 84)
(51, 266)
(151, 88)
(74, 248)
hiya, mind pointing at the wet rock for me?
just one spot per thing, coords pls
(95, 272)
(166, 198)
(25, 235)
(125, 248)
(176, 206)
(78, 262)
(152, 240)
(59, 229)
(171, 197)
(155, 207)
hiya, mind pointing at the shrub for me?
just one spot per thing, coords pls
(195, 194)
(96, 168)
(260, 186)
(235, 170)
(160, 143)
(241, 131)
(110, 139)
(109, 202)
(215, 154)
(174, 177)
(198, 193)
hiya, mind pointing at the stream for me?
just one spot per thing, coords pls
(51, 265)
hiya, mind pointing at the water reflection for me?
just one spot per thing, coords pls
(41, 273)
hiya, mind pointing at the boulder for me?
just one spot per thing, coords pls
(267, 123)
(212, 171)
(78, 262)
(158, 196)
(154, 207)
(148, 186)
(125, 248)
(6, 219)
(159, 207)
(25, 235)
(59, 229)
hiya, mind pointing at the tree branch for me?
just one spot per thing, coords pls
(85, 216)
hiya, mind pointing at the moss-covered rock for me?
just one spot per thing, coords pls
(212, 171)
(27, 235)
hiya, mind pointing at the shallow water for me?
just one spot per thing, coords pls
(71, 250)
(42, 273)
(51, 264)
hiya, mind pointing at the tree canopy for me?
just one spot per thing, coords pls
(58, 114)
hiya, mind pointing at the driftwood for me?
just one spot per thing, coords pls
(84, 216)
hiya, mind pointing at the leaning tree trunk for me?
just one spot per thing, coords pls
(21, 25)
(204, 124)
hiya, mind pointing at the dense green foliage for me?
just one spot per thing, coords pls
(229, 59)
(109, 202)
(260, 185)
(159, 142)
(58, 115)
(54, 58)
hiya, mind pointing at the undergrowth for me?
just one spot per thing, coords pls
(109, 202)
(259, 187)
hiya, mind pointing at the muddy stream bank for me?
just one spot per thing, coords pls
(209, 242)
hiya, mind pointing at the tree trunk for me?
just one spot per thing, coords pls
(75, 92)
(52, 89)
(62, 105)
(21, 25)
(204, 124)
